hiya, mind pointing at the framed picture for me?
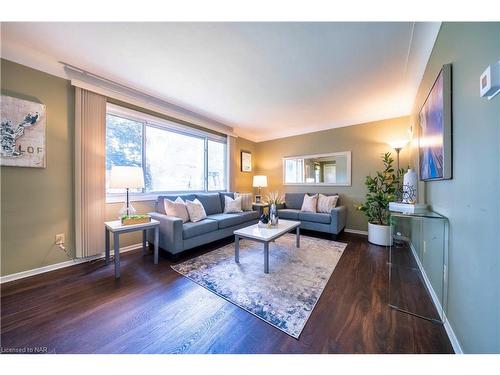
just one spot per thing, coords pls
(246, 161)
(435, 130)
(22, 133)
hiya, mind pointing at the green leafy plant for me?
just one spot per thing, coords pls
(382, 189)
(134, 216)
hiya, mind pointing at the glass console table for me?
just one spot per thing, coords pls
(418, 264)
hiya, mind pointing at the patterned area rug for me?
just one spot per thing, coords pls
(283, 298)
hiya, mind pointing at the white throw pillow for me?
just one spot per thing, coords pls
(232, 205)
(196, 210)
(326, 203)
(309, 203)
(246, 200)
(177, 208)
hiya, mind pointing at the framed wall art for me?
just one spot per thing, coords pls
(22, 133)
(246, 161)
(435, 130)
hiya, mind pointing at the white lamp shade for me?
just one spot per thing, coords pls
(259, 181)
(126, 177)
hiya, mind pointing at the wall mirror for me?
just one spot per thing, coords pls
(332, 169)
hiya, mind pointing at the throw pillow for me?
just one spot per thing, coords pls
(232, 205)
(195, 210)
(176, 208)
(326, 203)
(309, 203)
(246, 200)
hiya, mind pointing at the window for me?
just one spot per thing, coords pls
(294, 171)
(174, 162)
(123, 145)
(216, 165)
(174, 158)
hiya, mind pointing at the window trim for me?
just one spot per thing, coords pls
(160, 123)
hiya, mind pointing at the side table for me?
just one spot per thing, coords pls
(117, 228)
(259, 207)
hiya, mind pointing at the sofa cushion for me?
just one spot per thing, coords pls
(294, 200)
(211, 202)
(232, 205)
(160, 205)
(310, 203)
(326, 203)
(246, 200)
(228, 220)
(315, 217)
(191, 229)
(288, 213)
(196, 211)
(176, 208)
(222, 196)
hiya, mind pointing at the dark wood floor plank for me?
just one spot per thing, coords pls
(153, 309)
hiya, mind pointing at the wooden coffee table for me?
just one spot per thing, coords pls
(265, 235)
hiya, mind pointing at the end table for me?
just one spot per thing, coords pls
(117, 228)
(259, 207)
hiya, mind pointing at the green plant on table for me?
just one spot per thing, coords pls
(133, 216)
(382, 189)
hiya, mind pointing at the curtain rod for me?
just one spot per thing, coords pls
(108, 84)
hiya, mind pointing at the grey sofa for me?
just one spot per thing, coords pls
(333, 222)
(176, 237)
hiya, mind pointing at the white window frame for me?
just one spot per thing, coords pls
(153, 121)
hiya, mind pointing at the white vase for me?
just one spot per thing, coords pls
(410, 187)
(379, 234)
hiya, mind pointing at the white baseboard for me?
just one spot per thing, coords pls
(355, 231)
(449, 331)
(56, 266)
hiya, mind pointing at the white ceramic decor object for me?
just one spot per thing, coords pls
(410, 187)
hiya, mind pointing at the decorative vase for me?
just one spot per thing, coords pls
(273, 214)
(410, 187)
(379, 234)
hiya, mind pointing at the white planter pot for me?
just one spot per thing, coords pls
(379, 234)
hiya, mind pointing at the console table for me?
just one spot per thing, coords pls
(117, 228)
(418, 264)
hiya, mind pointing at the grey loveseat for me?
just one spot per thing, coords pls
(175, 236)
(333, 222)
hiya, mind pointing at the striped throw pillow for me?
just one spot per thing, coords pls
(246, 200)
(326, 203)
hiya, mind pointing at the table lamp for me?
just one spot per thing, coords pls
(259, 182)
(126, 178)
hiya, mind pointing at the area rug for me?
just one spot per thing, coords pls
(283, 298)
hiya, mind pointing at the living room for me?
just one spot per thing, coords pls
(282, 197)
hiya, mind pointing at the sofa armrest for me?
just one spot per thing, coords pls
(170, 232)
(339, 217)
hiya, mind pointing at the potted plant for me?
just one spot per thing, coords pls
(382, 189)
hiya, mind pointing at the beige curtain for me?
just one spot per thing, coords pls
(90, 169)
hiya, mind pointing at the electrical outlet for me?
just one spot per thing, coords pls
(60, 239)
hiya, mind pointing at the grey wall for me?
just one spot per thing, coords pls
(471, 199)
(367, 142)
(37, 203)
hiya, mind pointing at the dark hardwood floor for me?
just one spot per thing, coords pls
(153, 309)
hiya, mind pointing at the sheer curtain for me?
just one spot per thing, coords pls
(90, 170)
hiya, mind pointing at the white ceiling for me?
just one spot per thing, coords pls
(266, 80)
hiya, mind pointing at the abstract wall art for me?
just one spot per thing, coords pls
(22, 133)
(435, 130)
